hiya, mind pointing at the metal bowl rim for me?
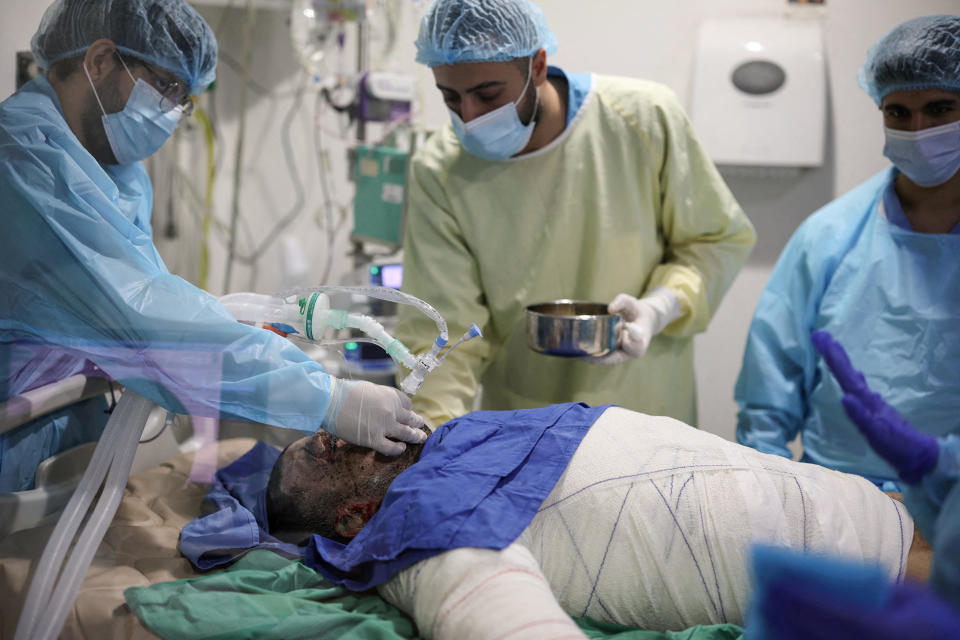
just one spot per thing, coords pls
(530, 309)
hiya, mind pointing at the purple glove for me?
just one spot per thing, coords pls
(795, 609)
(912, 453)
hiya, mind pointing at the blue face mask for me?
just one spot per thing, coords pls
(141, 128)
(928, 157)
(499, 134)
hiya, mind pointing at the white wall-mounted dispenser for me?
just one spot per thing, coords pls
(759, 91)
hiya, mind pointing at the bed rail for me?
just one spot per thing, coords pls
(23, 408)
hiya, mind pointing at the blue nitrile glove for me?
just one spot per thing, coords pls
(796, 608)
(913, 454)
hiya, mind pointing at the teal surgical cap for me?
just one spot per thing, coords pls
(167, 33)
(923, 53)
(455, 31)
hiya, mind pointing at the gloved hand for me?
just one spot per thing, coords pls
(372, 415)
(641, 319)
(797, 609)
(912, 453)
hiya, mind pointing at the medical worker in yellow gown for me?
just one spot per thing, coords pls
(550, 185)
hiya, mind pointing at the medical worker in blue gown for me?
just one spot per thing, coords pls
(83, 287)
(879, 268)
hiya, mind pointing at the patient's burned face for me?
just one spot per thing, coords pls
(319, 461)
(325, 486)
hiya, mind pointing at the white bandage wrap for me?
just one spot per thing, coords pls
(651, 526)
(479, 594)
(652, 522)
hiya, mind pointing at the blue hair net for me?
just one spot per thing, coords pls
(455, 31)
(167, 33)
(923, 53)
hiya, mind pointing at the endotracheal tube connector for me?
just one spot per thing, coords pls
(429, 361)
(307, 312)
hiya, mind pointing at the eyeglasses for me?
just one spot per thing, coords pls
(173, 93)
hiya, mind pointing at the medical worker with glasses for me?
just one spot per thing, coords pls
(548, 184)
(83, 287)
(878, 268)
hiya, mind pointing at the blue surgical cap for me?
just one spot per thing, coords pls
(923, 53)
(167, 33)
(455, 31)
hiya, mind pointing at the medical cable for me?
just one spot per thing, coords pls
(300, 194)
(209, 138)
(241, 135)
(113, 398)
(171, 418)
(328, 223)
(252, 257)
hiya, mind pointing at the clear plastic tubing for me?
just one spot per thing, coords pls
(381, 293)
(259, 307)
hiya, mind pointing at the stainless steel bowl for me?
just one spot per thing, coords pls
(571, 329)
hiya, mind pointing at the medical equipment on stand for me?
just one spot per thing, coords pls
(380, 174)
(377, 100)
(380, 170)
(307, 313)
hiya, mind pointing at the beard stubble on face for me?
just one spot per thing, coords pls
(91, 120)
(376, 471)
(529, 107)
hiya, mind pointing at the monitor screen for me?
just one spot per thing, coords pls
(391, 275)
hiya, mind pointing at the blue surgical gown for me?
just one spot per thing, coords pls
(889, 295)
(83, 285)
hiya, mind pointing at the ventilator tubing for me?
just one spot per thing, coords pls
(60, 569)
(308, 312)
(261, 309)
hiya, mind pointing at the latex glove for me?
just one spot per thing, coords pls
(641, 319)
(913, 454)
(372, 415)
(798, 609)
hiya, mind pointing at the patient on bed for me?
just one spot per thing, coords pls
(646, 522)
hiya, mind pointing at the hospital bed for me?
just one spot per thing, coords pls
(57, 476)
(140, 544)
(139, 548)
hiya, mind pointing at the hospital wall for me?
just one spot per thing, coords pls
(286, 159)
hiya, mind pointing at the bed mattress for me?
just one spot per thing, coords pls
(139, 549)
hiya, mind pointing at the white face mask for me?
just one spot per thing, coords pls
(500, 134)
(928, 157)
(141, 128)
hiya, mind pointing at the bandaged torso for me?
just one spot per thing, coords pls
(650, 525)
